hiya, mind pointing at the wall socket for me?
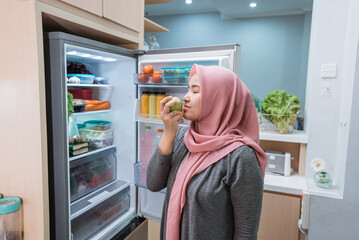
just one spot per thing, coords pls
(328, 71)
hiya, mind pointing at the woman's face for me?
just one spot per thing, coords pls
(192, 100)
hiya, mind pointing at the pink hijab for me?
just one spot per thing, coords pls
(227, 121)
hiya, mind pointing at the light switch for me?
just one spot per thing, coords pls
(328, 71)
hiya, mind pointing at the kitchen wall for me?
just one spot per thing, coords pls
(333, 116)
(274, 49)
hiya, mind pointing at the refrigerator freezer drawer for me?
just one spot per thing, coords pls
(97, 218)
(91, 172)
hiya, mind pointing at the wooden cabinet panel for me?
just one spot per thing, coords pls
(92, 6)
(128, 13)
(279, 219)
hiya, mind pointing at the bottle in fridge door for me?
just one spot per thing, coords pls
(146, 145)
(157, 139)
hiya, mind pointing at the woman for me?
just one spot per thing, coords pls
(214, 169)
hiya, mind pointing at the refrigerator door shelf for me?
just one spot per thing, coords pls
(101, 215)
(139, 117)
(140, 176)
(154, 80)
(92, 200)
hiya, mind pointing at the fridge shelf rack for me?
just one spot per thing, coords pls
(92, 200)
(149, 79)
(90, 153)
(74, 85)
(92, 112)
(139, 117)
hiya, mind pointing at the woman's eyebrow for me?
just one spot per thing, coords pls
(193, 85)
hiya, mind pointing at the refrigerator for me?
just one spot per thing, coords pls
(95, 194)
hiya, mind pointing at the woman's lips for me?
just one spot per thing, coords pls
(186, 108)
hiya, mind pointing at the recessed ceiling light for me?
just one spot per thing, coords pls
(188, 1)
(253, 4)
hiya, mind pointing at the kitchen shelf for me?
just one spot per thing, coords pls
(89, 85)
(293, 184)
(91, 112)
(88, 202)
(147, 2)
(90, 153)
(151, 26)
(295, 137)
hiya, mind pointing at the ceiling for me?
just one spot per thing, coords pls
(232, 8)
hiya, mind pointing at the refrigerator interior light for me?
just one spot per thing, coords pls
(188, 1)
(86, 55)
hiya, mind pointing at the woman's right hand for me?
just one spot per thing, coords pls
(170, 119)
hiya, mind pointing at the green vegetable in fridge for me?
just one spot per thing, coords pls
(70, 108)
(279, 103)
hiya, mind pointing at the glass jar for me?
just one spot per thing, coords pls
(10, 218)
(323, 179)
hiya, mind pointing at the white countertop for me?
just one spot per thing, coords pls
(298, 185)
(295, 137)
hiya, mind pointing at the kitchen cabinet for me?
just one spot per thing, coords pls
(124, 12)
(112, 22)
(279, 218)
(92, 6)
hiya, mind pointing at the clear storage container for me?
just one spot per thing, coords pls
(84, 78)
(96, 134)
(98, 125)
(94, 220)
(10, 219)
(91, 172)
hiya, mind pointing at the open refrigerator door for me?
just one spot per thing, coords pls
(169, 76)
(92, 150)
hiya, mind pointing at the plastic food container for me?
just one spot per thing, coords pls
(96, 134)
(95, 143)
(188, 70)
(91, 222)
(81, 93)
(143, 78)
(10, 218)
(80, 125)
(100, 80)
(98, 125)
(84, 78)
(176, 79)
(173, 71)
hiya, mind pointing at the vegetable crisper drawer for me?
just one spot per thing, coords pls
(92, 172)
(94, 220)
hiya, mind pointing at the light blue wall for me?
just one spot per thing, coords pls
(274, 49)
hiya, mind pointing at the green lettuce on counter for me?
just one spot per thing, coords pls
(279, 103)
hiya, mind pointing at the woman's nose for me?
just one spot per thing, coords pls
(186, 97)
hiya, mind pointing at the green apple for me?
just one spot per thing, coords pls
(178, 106)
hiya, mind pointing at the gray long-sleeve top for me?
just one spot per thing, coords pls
(222, 202)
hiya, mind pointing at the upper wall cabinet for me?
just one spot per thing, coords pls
(127, 13)
(92, 6)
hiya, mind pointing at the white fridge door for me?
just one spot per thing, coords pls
(150, 204)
